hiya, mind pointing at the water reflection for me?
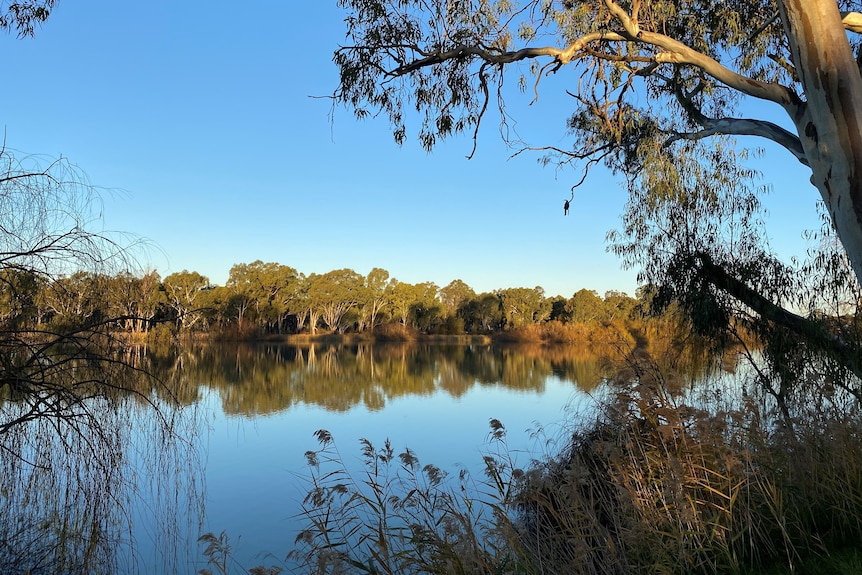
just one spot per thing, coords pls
(127, 495)
(265, 379)
(122, 496)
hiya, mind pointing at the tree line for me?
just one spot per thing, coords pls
(272, 298)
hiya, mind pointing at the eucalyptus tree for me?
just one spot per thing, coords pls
(645, 75)
(19, 297)
(653, 85)
(425, 311)
(80, 298)
(454, 294)
(301, 304)
(284, 291)
(619, 305)
(125, 297)
(523, 306)
(373, 299)
(586, 306)
(333, 294)
(269, 288)
(152, 298)
(399, 297)
(243, 287)
(482, 314)
(182, 290)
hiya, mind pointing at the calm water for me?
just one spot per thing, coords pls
(248, 413)
(265, 403)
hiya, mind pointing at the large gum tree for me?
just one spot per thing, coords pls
(651, 83)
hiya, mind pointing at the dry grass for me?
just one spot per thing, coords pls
(661, 477)
(659, 482)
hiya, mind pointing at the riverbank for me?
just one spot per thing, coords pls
(631, 333)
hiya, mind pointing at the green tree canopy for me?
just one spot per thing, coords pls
(182, 290)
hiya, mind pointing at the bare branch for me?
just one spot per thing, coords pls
(562, 56)
(747, 127)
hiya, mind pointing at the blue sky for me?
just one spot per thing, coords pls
(199, 119)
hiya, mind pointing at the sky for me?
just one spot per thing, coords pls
(207, 129)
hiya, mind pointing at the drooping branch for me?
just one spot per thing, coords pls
(812, 332)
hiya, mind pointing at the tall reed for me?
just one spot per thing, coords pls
(659, 479)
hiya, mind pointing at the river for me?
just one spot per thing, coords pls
(241, 418)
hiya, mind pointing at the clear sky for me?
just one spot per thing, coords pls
(200, 118)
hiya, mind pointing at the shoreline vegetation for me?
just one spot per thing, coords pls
(662, 476)
(745, 477)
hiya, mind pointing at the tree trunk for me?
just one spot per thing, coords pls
(830, 123)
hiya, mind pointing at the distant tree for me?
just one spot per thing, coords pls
(268, 288)
(124, 296)
(153, 302)
(454, 294)
(19, 297)
(482, 314)
(182, 290)
(333, 294)
(586, 306)
(558, 310)
(523, 306)
(426, 312)
(399, 297)
(302, 308)
(78, 299)
(618, 305)
(373, 299)
(245, 291)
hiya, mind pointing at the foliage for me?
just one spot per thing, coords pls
(25, 16)
(696, 232)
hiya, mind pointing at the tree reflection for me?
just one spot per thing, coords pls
(76, 496)
(263, 379)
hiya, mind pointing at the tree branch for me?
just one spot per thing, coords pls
(562, 56)
(812, 332)
(670, 52)
(746, 127)
(852, 21)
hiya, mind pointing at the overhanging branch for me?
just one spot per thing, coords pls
(814, 333)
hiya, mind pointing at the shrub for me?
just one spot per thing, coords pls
(395, 332)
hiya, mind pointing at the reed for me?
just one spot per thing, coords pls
(658, 481)
(659, 477)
